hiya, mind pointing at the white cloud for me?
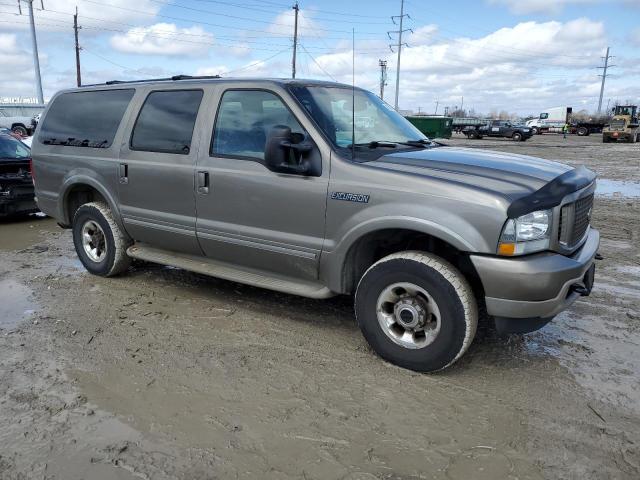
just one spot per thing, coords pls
(58, 14)
(16, 67)
(307, 27)
(500, 69)
(549, 7)
(163, 39)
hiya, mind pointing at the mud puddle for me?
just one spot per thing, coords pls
(23, 233)
(15, 303)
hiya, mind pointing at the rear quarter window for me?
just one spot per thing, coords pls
(85, 119)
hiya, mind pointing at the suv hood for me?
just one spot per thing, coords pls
(510, 175)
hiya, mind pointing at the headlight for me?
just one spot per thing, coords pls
(526, 234)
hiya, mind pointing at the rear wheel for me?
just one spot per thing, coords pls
(416, 310)
(100, 243)
(20, 130)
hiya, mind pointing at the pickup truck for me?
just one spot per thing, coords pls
(499, 128)
(19, 124)
(318, 189)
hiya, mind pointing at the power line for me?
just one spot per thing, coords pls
(319, 66)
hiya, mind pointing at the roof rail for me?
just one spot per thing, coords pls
(174, 78)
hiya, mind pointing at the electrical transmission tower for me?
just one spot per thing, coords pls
(399, 45)
(34, 41)
(604, 77)
(383, 77)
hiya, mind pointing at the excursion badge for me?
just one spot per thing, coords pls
(350, 197)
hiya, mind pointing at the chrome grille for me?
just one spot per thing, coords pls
(574, 221)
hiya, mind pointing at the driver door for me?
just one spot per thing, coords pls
(248, 215)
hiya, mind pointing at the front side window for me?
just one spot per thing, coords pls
(335, 112)
(85, 119)
(166, 121)
(244, 120)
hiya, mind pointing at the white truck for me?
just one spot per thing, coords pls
(553, 119)
(18, 124)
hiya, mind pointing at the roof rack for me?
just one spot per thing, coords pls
(174, 79)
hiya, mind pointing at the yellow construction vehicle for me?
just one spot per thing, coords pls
(623, 126)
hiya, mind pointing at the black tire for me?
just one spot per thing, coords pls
(113, 240)
(582, 131)
(449, 290)
(534, 131)
(20, 130)
(517, 137)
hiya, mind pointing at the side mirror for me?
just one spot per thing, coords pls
(283, 155)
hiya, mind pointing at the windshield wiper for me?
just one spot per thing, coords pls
(374, 144)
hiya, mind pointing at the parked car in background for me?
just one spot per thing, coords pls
(16, 185)
(19, 124)
(500, 128)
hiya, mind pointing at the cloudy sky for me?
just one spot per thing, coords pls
(521, 56)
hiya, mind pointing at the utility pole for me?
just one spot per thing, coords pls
(436, 112)
(399, 47)
(296, 8)
(383, 77)
(75, 31)
(462, 104)
(34, 41)
(604, 77)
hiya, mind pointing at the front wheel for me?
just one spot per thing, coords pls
(416, 310)
(100, 243)
(517, 137)
(534, 131)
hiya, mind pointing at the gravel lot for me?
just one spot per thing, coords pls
(163, 374)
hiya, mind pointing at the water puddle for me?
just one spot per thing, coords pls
(617, 188)
(14, 303)
(23, 233)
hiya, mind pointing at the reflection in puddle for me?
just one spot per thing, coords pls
(14, 303)
(617, 188)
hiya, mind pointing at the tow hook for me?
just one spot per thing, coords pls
(582, 290)
(599, 257)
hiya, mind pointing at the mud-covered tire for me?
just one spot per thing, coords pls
(115, 259)
(445, 285)
(20, 130)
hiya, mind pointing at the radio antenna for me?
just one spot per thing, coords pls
(353, 94)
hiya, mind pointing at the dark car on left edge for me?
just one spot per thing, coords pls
(17, 195)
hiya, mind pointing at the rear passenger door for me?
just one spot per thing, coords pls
(156, 170)
(249, 215)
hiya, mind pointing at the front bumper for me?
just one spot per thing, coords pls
(535, 286)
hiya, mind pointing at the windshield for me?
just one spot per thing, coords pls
(375, 121)
(12, 149)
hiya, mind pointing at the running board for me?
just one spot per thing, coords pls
(228, 272)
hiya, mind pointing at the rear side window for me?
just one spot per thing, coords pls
(166, 121)
(85, 119)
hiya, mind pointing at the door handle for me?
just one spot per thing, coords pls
(124, 173)
(203, 182)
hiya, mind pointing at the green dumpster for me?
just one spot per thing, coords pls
(432, 126)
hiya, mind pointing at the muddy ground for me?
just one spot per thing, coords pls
(164, 374)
